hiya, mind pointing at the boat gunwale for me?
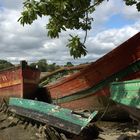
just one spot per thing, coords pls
(127, 81)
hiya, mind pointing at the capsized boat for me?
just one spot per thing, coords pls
(65, 119)
(89, 88)
(19, 81)
(127, 95)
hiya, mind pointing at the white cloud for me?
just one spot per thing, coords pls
(104, 11)
(107, 40)
(12, 4)
(130, 12)
(31, 42)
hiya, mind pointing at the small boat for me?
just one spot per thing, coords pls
(19, 81)
(64, 119)
(89, 88)
(127, 95)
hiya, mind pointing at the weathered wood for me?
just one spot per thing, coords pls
(127, 95)
(19, 81)
(52, 115)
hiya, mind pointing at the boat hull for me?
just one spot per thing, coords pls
(127, 95)
(65, 119)
(89, 88)
(18, 82)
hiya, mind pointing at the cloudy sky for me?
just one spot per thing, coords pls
(113, 24)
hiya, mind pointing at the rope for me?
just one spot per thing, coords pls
(106, 109)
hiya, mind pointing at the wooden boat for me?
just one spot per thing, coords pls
(65, 119)
(89, 88)
(127, 95)
(19, 81)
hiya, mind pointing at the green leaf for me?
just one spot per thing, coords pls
(77, 49)
(130, 2)
(138, 6)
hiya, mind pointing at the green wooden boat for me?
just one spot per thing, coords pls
(127, 95)
(65, 119)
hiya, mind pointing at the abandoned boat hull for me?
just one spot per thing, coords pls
(52, 115)
(87, 89)
(127, 95)
(20, 81)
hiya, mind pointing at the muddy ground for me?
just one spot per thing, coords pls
(100, 130)
(118, 131)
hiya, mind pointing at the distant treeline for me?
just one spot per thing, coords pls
(5, 64)
(41, 64)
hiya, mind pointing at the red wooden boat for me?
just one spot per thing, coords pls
(19, 81)
(89, 88)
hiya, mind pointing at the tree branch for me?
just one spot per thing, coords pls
(86, 29)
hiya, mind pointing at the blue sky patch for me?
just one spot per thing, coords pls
(118, 21)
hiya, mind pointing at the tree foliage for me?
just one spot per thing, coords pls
(65, 14)
(69, 64)
(5, 64)
(43, 66)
